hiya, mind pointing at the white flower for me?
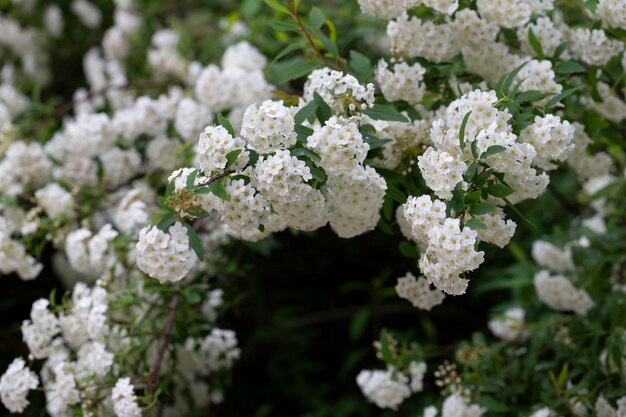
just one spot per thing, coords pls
(124, 399)
(15, 384)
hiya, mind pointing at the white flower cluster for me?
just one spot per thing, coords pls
(457, 405)
(124, 399)
(389, 388)
(604, 409)
(165, 256)
(342, 92)
(15, 384)
(509, 326)
(269, 127)
(13, 255)
(612, 13)
(551, 257)
(214, 145)
(593, 47)
(449, 248)
(339, 144)
(418, 292)
(404, 82)
(90, 254)
(558, 293)
(237, 84)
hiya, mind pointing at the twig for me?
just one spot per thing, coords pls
(167, 331)
(215, 178)
(305, 32)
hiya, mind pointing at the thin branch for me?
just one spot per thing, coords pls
(165, 335)
(305, 32)
(215, 178)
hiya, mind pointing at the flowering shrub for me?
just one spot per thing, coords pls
(471, 158)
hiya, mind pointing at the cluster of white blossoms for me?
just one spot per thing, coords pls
(593, 47)
(124, 399)
(559, 293)
(279, 189)
(450, 248)
(165, 256)
(389, 388)
(404, 82)
(509, 325)
(15, 384)
(418, 292)
(342, 92)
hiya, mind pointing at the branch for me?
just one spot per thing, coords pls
(165, 334)
(215, 178)
(294, 13)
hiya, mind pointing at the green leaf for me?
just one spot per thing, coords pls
(484, 207)
(305, 112)
(534, 42)
(492, 150)
(360, 66)
(198, 212)
(328, 44)
(274, 4)
(559, 50)
(194, 241)
(303, 132)
(556, 99)
(462, 130)
(225, 123)
(167, 221)
(507, 80)
(409, 250)
(395, 193)
(191, 180)
(316, 18)
(359, 323)
(250, 8)
(374, 142)
(569, 67)
(286, 51)
(385, 112)
(458, 198)
(530, 96)
(231, 157)
(294, 68)
(170, 188)
(492, 405)
(499, 190)
(318, 173)
(217, 188)
(323, 110)
(385, 350)
(475, 224)
(283, 26)
(304, 152)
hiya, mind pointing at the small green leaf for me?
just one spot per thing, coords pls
(475, 224)
(395, 193)
(191, 180)
(481, 208)
(225, 123)
(462, 130)
(556, 99)
(194, 241)
(303, 133)
(499, 190)
(569, 67)
(385, 112)
(304, 152)
(294, 68)
(318, 173)
(492, 150)
(286, 51)
(530, 96)
(559, 50)
(231, 157)
(534, 42)
(217, 188)
(316, 18)
(360, 65)
(170, 188)
(305, 112)
(274, 4)
(374, 142)
(359, 323)
(167, 221)
(507, 79)
(409, 250)
(323, 110)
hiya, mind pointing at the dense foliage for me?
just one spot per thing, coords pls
(291, 208)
